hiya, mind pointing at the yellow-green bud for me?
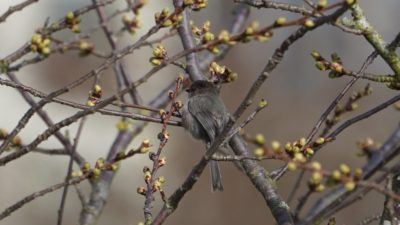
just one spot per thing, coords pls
(350, 185)
(96, 172)
(77, 173)
(162, 161)
(336, 175)
(46, 42)
(302, 141)
(260, 139)
(292, 166)
(322, 4)
(215, 50)
(144, 150)
(249, 31)
(83, 45)
(275, 145)
(141, 190)
(320, 141)
(320, 188)
(165, 12)
(188, 2)
(320, 65)
(46, 51)
(3, 133)
(97, 89)
(86, 166)
(157, 185)
(206, 26)
(280, 21)
(167, 23)
(299, 157)
(161, 179)
(162, 112)
(345, 169)
(178, 104)
(309, 152)
(122, 125)
(315, 54)
(353, 106)
(316, 177)
(224, 36)
(337, 67)
(70, 16)
(36, 39)
(75, 28)
(296, 149)
(358, 173)
(208, 36)
(316, 165)
(288, 147)
(147, 176)
(309, 23)
(232, 77)
(155, 62)
(16, 141)
(259, 152)
(146, 143)
(262, 103)
(114, 167)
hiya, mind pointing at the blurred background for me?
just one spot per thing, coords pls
(296, 91)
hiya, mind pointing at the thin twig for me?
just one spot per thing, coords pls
(26, 48)
(128, 50)
(69, 171)
(130, 115)
(47, 120)
(35, 195)
(289, 7)
(15, 8)
(336, 199)
(323, 118)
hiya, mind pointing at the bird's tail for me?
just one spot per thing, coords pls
(216, 177)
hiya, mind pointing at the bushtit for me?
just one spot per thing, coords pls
(204, 116)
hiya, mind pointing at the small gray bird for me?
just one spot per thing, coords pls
(204, 116)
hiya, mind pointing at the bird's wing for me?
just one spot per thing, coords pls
(212, 120)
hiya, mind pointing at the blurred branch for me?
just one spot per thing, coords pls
(256, 173)
(51, 151)
(363, 116)
(172, 202)
(69, 171)
(130, 115)
(240, 15)
(376, 40)
(120, 70)
(15, 8)
(323, 118)
(35, 195)
(26, 48)
(289, 7)
(326, 113)
(100, 190)
(186, 36)
(370, 219)
(163, 137)
(47, 120)
(335, 198)
(128, 50)
(278, 56)
(51, 130)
